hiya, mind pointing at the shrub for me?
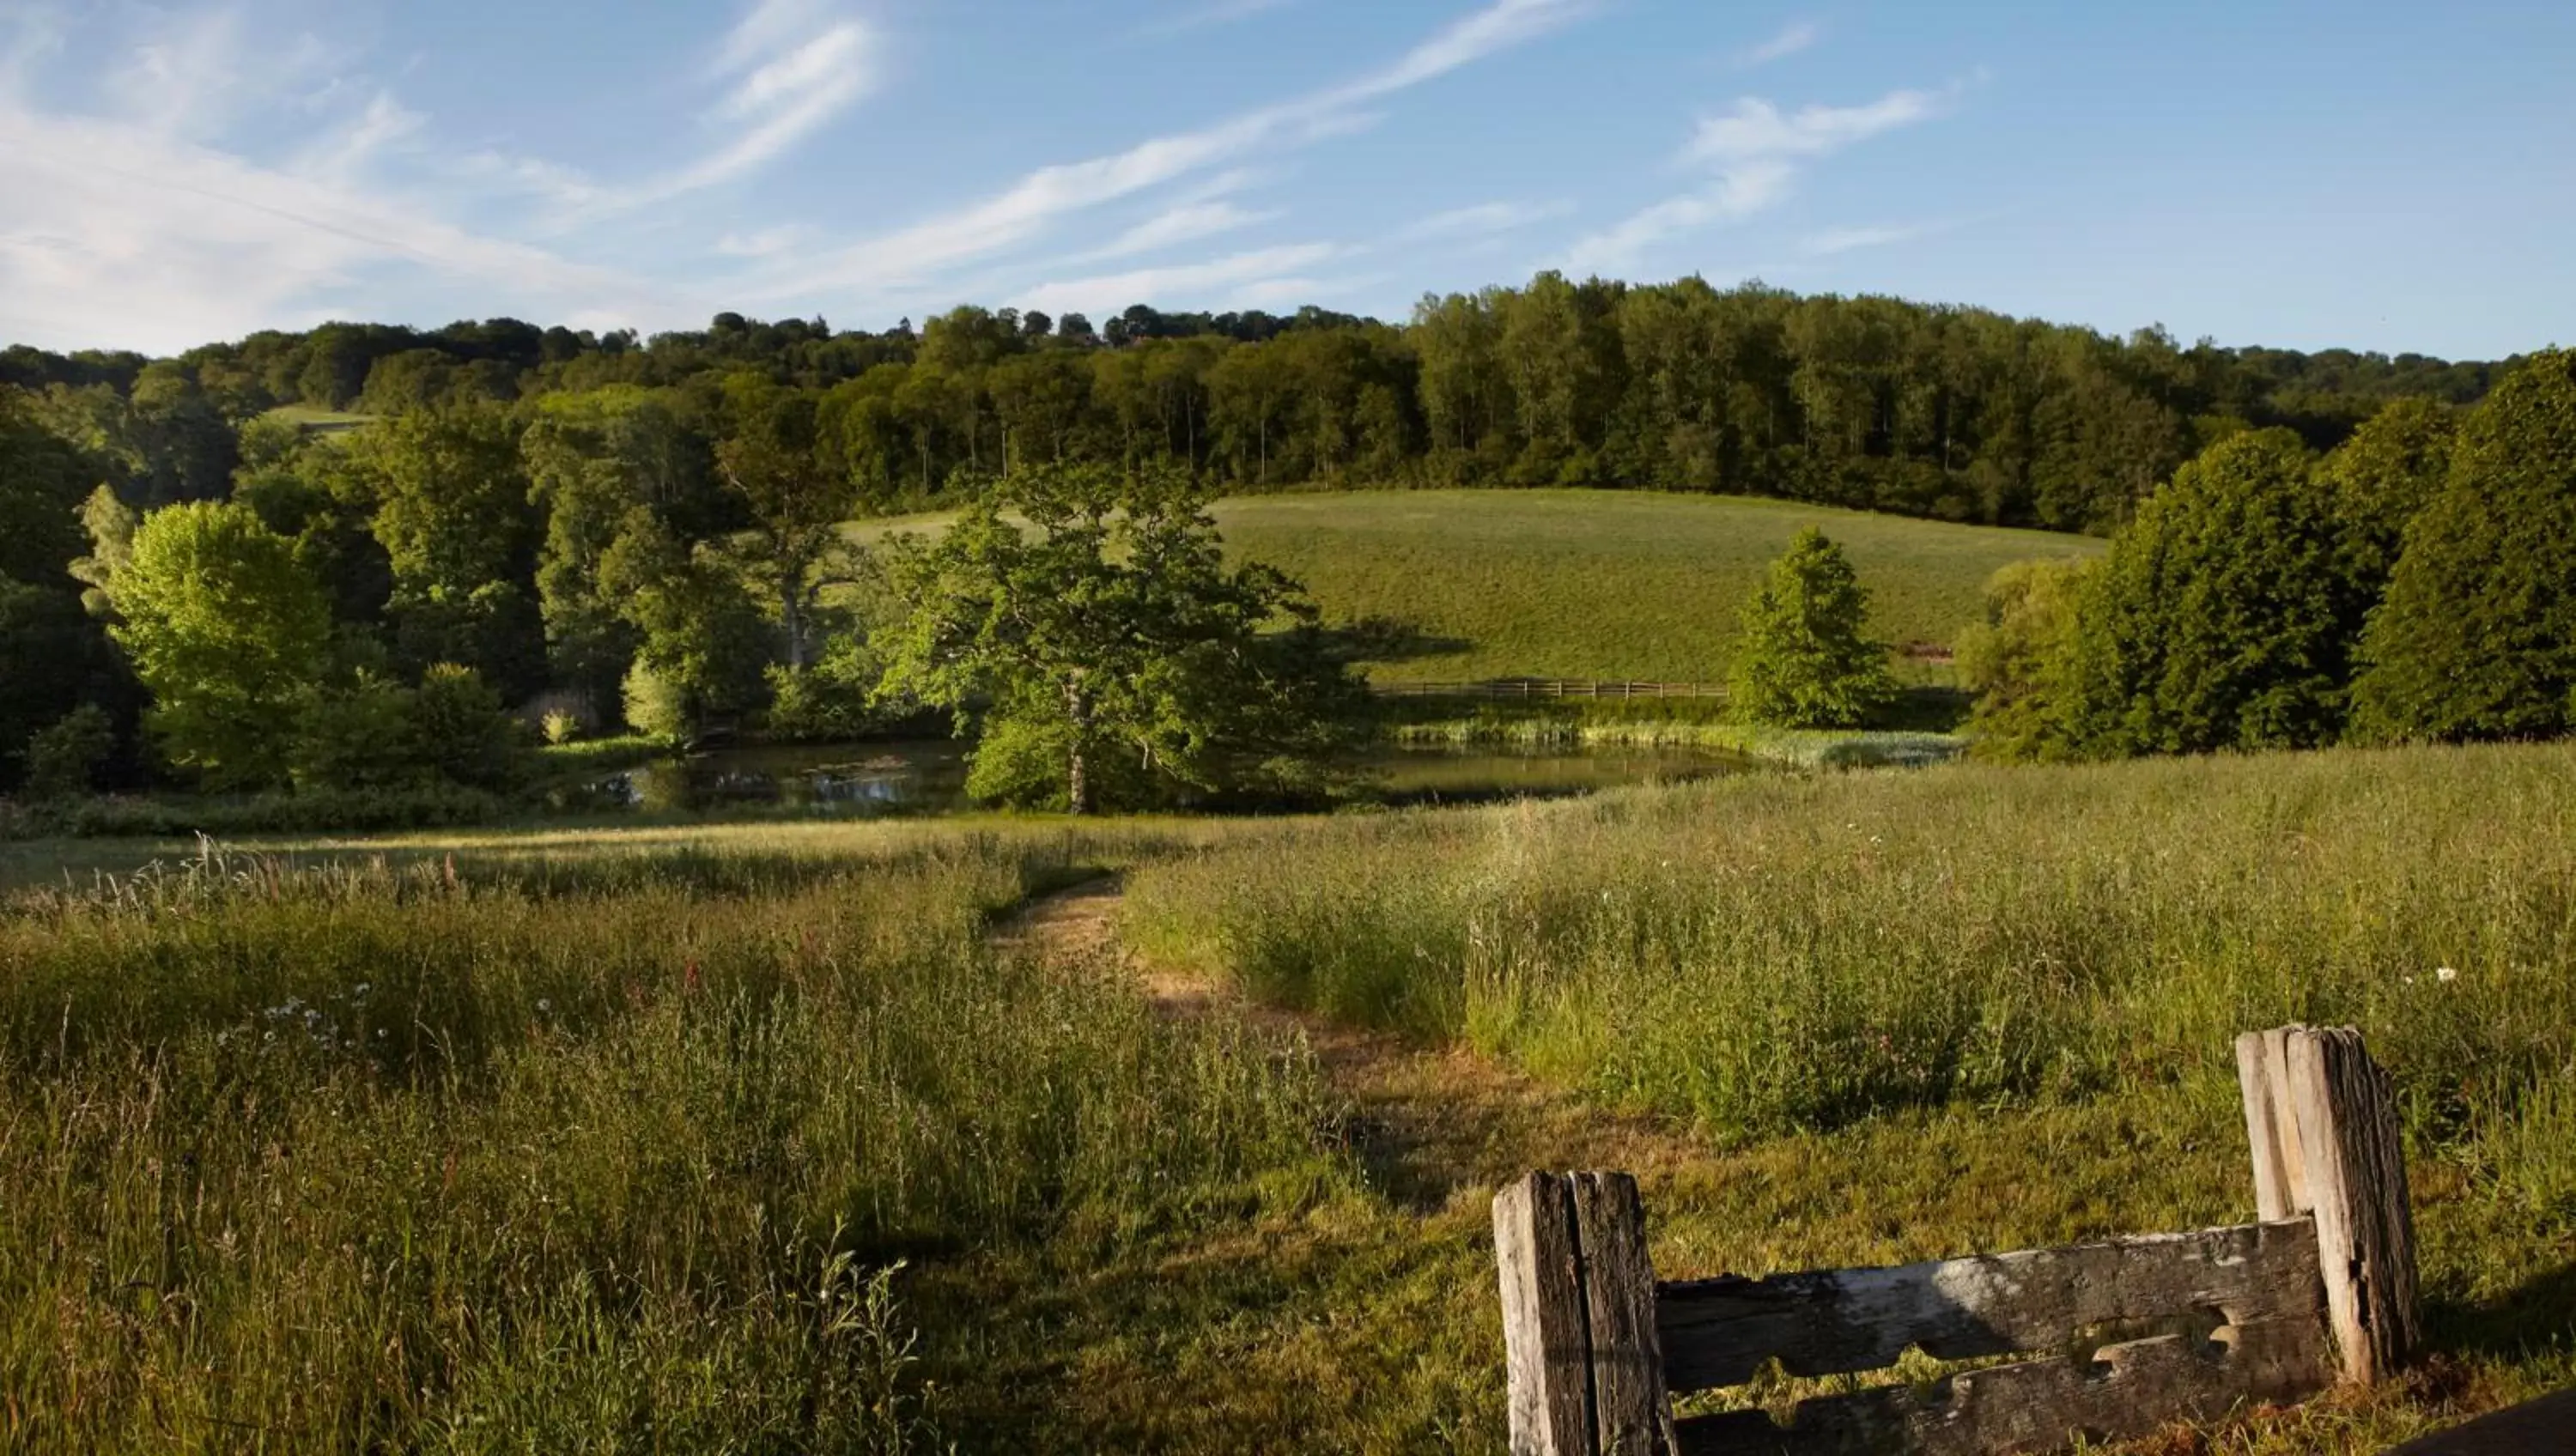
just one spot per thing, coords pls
(658, 707)
(2020, 662)
(359, 737)
(829, 701)
(1806, 660)
(63, 761)
(466, 736)
(377, 734)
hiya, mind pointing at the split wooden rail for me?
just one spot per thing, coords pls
(1547, 689)
(2127, 1335)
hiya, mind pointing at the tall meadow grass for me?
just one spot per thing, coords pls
(553, 1156)
(1762, 954)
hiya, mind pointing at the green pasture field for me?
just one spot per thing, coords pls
(1590, 583)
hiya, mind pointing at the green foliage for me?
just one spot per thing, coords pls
(2020, 662)
(658, 706)
(703, 642)
(2477, 636)
(586, 471)
(376, 734)
(466, 733)
(2223, 617)
(832, 701)
(358, 737)
(2384, 476)
(449, 502)
(1806, 660)
(110, 524)
(1116, 641)
(269, 440)
(775, 459)
(227, 630)
(63, 760)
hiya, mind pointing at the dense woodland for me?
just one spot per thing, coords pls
(648, 529)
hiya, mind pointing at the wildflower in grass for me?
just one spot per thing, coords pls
(2446, 973)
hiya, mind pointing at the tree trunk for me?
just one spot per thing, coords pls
(1077, 785)
(791, 612)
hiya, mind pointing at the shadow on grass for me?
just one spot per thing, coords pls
(1386, 639)
(2536, 1314)
(1339, 1327)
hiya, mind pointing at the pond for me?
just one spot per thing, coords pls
(929, 777)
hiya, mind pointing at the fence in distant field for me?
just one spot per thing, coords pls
(1541, 688)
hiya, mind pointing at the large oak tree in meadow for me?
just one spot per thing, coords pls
(1111, 655)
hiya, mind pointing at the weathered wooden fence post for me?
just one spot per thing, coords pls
(1584, 1363)
(2322, 1120)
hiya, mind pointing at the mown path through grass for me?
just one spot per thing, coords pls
(1430, 1124)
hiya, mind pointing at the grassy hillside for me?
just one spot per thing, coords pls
(1597, 584)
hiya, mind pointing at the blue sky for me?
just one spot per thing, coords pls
(2397, 176)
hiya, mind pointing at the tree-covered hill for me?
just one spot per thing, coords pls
(1870, 402)
(648, 532)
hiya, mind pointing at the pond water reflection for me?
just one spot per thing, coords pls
(929, 777)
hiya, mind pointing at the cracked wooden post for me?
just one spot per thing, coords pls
(2322, 1120)
(2271, 1124)
(1584, 1363)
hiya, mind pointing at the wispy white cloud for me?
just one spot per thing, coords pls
(1482, 220)
(912, 256)
(1756, 151)
(1188, 222)
(112, 233)
(1757, 130)
(343, 155)
(1738, 193)
(1852, 239)
(1240, 276)
(764, 243)
(791, 67)
(141, 223)
(1796, 36)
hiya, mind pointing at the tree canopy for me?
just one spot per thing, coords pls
(2223, 617)
(1806, 660)
(2477, 637)
(227, 629)
(1111, 655)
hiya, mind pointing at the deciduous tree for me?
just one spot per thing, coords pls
(2477, 635)
(1108, 652)
(227, 630)
(1806, 660)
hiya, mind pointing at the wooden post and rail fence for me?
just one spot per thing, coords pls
(2127, 1335)
(1547, 689)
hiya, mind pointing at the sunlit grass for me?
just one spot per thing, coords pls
(1595, 584)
